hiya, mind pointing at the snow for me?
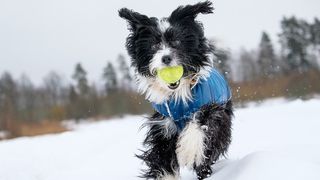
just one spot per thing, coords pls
(274, 140)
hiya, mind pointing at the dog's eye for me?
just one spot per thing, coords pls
(175, 43)
(155, 46)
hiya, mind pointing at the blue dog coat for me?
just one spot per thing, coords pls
(213, 89)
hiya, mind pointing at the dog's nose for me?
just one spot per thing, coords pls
(166, 59)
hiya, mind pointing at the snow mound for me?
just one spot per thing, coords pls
(266, 166)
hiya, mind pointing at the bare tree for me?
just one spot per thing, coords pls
(27, 99)
(55, 89)
(8, 101)
(223, 61)
(125, 79)
(248, 65)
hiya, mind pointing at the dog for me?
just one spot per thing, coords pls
(191, 125)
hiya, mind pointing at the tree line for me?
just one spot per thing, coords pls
(299, 43)
(264, 72)
(55, 100)
(259, 73)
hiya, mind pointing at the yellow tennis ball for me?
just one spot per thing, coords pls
(170, 74)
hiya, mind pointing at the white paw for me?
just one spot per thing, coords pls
(191, 145)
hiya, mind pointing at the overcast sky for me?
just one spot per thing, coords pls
(37, 36)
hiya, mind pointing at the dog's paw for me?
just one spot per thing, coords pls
(203, 171)
(191, 145)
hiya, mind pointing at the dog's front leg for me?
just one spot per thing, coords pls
(191, 145)
(205, 138)
(215, 120)
(160, 156)
(192, 148)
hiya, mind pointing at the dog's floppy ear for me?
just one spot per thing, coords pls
(190, 12)
(135, 19)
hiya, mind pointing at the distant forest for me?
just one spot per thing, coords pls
(254, 75)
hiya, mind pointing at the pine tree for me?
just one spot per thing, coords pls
(125, 78)
(82, 105)
(80, 76)
(295, 39)
(315, 32)
(315, 40)
(266, 57)
(73, 104)
(110, 78)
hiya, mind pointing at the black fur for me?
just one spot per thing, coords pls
(186, 40)
(185, 14)
(185, 37)
(160, 154)
(217, 122)
(144, 34)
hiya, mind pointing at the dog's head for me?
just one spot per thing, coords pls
(177, 40)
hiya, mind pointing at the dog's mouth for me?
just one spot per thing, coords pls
(170, 75)
(174, 86)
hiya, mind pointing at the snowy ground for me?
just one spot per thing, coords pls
(273, 141)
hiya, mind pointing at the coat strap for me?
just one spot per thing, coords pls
(168, 109)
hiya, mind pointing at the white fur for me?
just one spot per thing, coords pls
(153, 88)
(167, 126)
(163, 25)
(191, 145)
(158, 92)
(156, 61)
(204, 72)
(183, 92)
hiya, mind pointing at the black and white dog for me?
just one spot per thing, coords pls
(191, 125)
